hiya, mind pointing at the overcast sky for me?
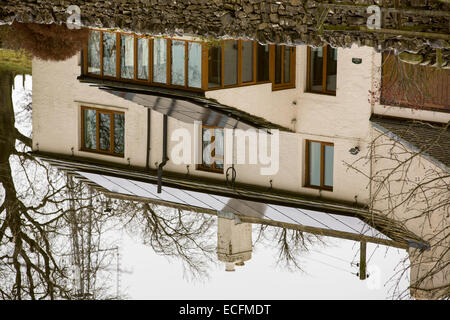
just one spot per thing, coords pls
(328, 275)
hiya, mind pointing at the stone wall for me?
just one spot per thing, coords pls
(268, 21)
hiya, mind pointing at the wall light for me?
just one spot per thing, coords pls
(354, 151)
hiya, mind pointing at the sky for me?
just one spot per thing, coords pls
(328, 272)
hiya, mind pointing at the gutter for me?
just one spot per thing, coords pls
(164, 154)
(147, 161)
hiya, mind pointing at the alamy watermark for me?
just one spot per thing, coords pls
(74, 19)
(230, 147)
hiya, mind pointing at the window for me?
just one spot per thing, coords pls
(214, 67)
(247, 70)
(186, 64)
(142, 58)
(194, 65)
(230, 64)
(109, 54)
(284, 67)
(126, 56)
(102, 131)
(159, 60)
(240, 62)
(93, 56)
(262, 62)
(322, 70)
(319, 164)
(212, 149)
(178, 62)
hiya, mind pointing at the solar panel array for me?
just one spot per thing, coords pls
(241, 207)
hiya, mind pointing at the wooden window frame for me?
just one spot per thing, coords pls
(324, 73)
(135, 79)
(283, 85)
(322, 165)
(202, 167)
(204, 64)
(111, 137)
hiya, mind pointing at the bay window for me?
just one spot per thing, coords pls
(186, 64)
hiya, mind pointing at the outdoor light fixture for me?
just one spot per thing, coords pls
(354, 151)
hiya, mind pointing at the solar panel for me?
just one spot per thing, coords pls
(241, 207)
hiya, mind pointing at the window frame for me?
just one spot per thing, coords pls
(282, 85)
(135, 78)
(322, 165)
(324, 73)
(111, 134)
(204, 63)
(239, 83)
(213, 169)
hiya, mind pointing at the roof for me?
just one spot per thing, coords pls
(247, 203)
(183, 105)
(430, 139)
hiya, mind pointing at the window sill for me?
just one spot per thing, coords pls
(244, 84)
(282, 87)
(319, 188)
(207, 169)
(105, 153)
(330, 93)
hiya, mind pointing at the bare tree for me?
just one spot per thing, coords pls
(407, 173)
(40, 213)
(172, 232)
(290, 244)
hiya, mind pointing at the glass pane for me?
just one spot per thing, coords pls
(119, 133)
(90, 129)
(314, 163)
(218, 148)
(104, 131)
(287, 64)
(109, 54)
(328, 179)
(247, 61)
(262, 67)
(331, 68)
(230, 62)
(278, 65)
(218, 142)
(160, 60)
(218, 164)
(207, 147)
(142, 57)
(178, 62)
(195, 64)
(93, 54)
(127, 57)
(316, 68)
(214, 67)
